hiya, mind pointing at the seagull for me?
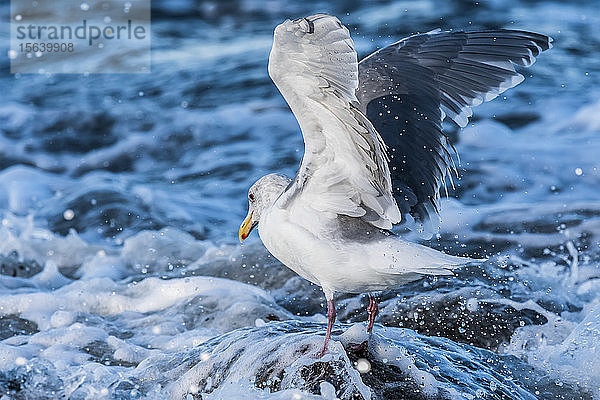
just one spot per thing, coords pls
(375, 153)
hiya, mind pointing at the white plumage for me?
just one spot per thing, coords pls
(330, 224)
(344, 170)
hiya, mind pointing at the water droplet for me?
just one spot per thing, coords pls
(68, 214)
(363, 365)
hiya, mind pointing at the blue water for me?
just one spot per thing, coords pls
(120, 198)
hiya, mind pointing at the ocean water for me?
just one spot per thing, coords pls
(120, 196)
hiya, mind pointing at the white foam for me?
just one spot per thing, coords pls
(567, 345)
(159, 249)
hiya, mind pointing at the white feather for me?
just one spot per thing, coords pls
(316, 71)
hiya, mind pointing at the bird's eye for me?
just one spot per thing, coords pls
(251, 197)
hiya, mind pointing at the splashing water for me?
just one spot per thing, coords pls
(120, 197)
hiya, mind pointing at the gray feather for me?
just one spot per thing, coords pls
(407, 88)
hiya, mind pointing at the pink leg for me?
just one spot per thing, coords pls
(330, 321)
(373, 309)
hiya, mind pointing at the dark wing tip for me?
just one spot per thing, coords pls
(433, 75)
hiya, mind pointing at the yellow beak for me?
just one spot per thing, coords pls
(246, 228)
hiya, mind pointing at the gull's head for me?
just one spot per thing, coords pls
(261, 196)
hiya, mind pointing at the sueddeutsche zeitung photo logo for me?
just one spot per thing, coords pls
(107, 36)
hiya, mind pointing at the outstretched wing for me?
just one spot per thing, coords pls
(344, 170)
(407, 89)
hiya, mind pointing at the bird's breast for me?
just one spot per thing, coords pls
(288, 242)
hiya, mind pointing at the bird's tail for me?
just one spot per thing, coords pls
(448, 263)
